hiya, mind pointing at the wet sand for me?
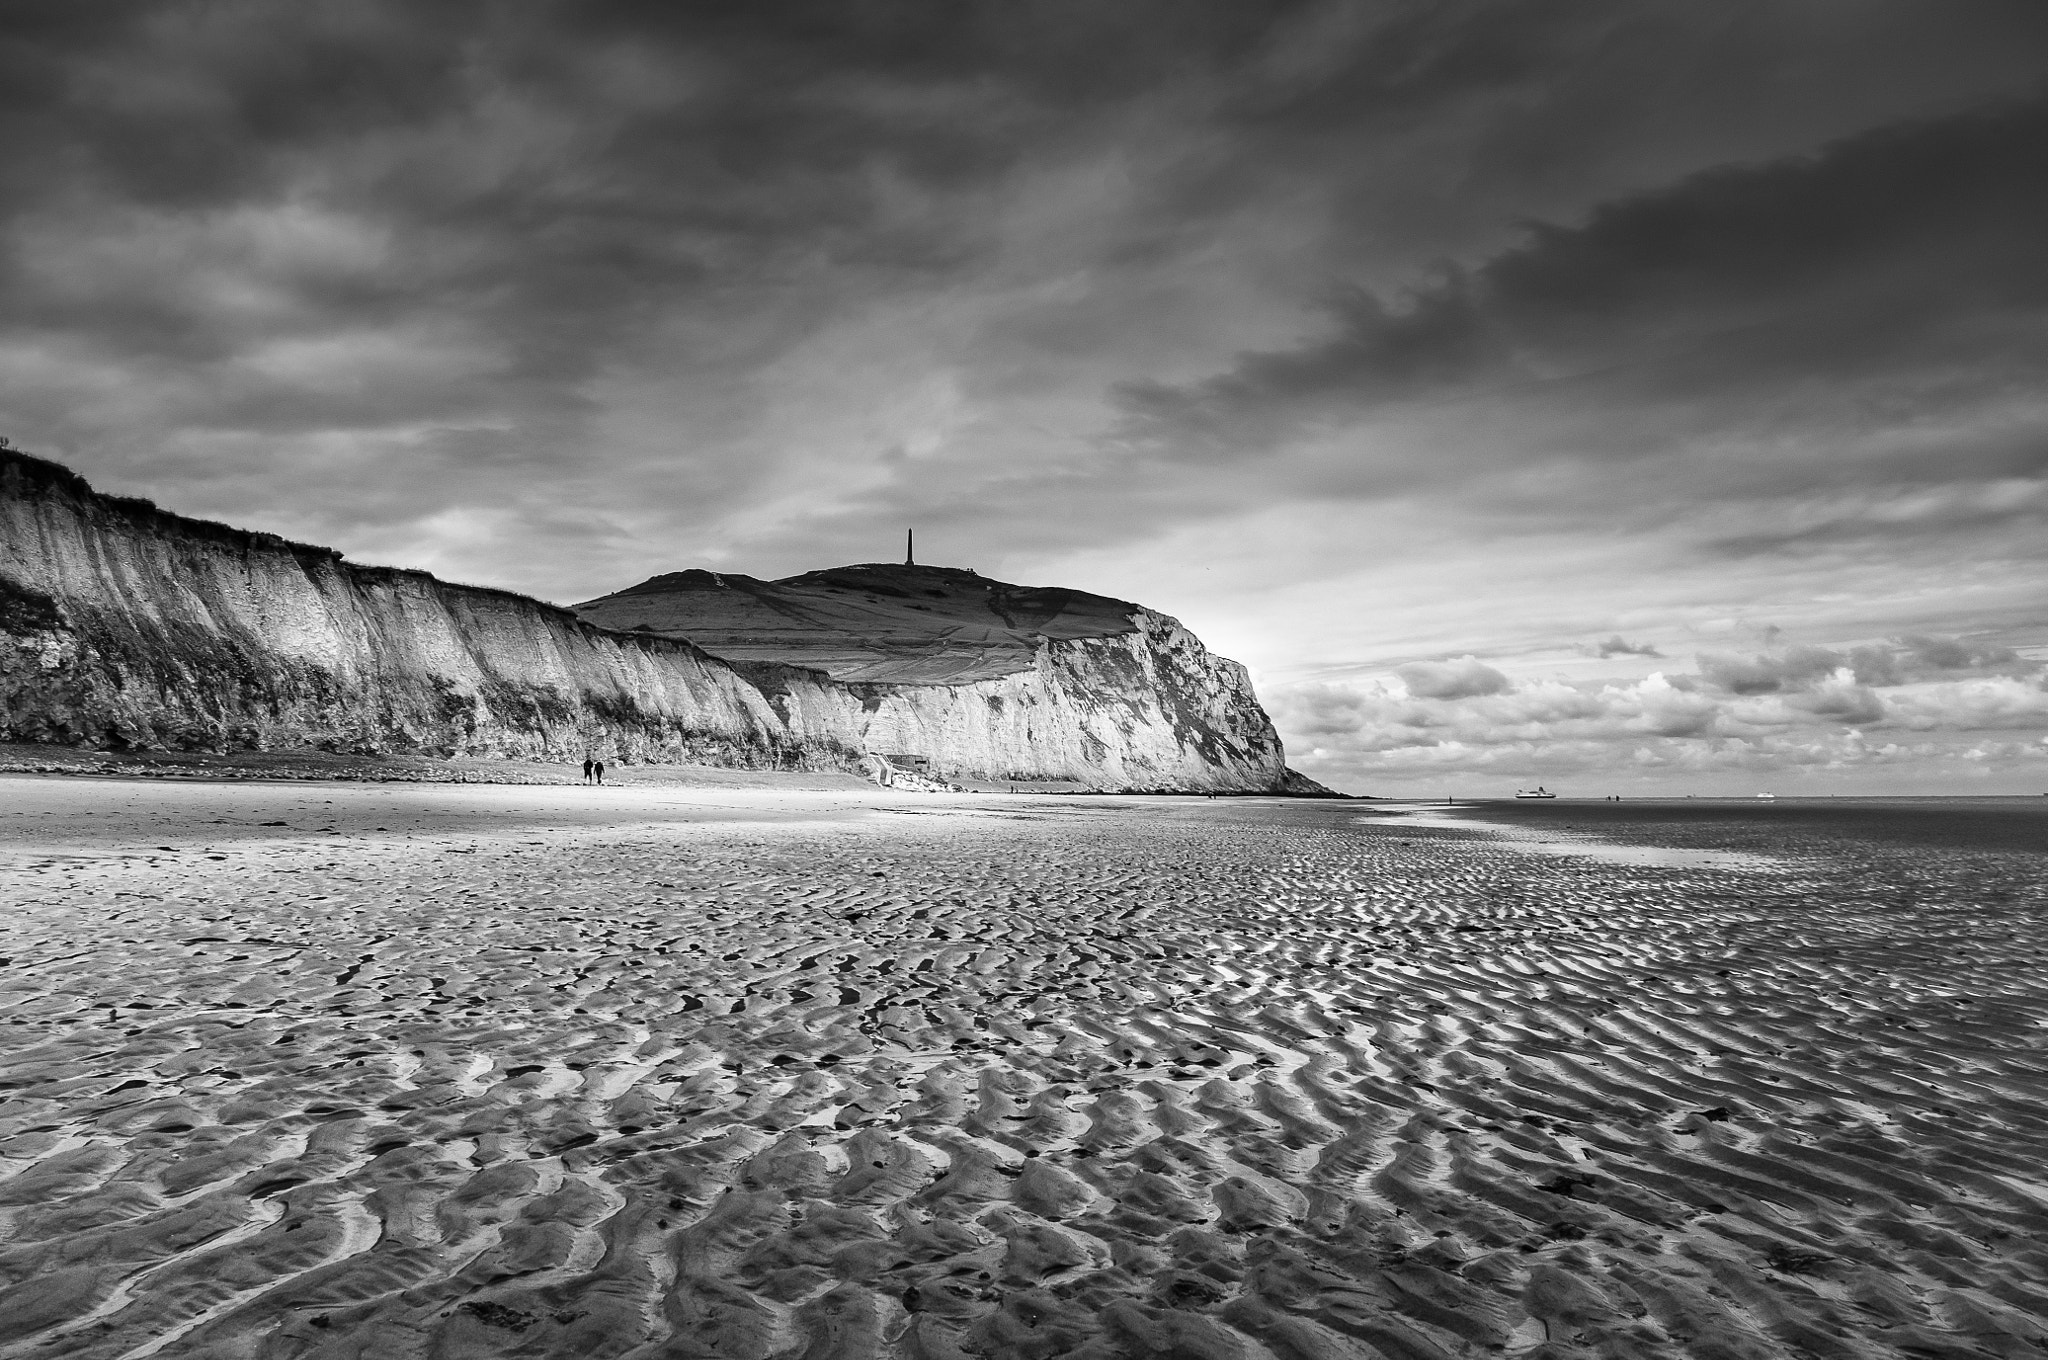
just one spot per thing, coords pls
(448, 1071)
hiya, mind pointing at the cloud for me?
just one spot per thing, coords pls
(1929, 654)
(1796, 707)
(1993, 704)
(1869, 518)
(1898, 267)
(1619, 646)
(1913, 657)
(1429, 343)
(1769, 673)
(1460, 679)
(1841, 697)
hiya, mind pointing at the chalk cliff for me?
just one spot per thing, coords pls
(123, 625)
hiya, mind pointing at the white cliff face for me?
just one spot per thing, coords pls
(122, 625)
(1147, 709)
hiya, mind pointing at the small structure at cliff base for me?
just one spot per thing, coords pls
(900, 771)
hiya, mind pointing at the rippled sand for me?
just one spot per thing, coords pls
(451, 1072)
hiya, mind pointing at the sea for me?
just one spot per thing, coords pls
(1755, 824)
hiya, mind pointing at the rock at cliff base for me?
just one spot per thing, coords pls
(1295, 784)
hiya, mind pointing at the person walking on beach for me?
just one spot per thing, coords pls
(599, 767)
(587, 766)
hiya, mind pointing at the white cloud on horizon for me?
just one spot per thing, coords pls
(1923, 712)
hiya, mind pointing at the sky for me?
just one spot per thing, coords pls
(1631, 396)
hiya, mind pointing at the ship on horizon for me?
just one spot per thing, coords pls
(1538, 792)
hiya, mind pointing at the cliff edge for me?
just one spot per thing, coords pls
(125, 626)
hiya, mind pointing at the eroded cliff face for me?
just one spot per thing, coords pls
(122, 625)
(128, 626)
(1146, 709)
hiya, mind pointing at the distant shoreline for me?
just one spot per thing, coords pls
(1992, 823)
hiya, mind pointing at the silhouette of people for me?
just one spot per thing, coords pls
(588, 765)
(598, 766)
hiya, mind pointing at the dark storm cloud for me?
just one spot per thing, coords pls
(560, 180)
(373, 257)
(1996, 494)
(1427, 345)
(1913, 249)
(387, 251)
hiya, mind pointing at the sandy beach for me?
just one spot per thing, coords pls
(386, 1071)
